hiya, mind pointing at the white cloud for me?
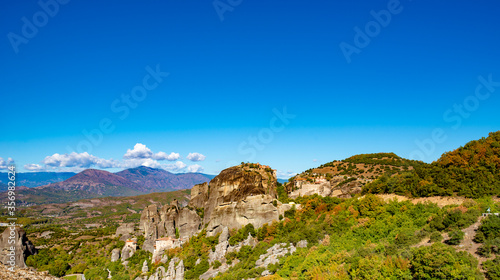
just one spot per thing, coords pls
(82, 160)
(70, 160)
(140, 151)
(196, 157)
(33, 167)
(285, 174)
(107, 163)
(163, 156)
(195, 168)
(315, 160)
(4, 164)
(177, 166)
(132, 163)
(139, 155)
(151, 163)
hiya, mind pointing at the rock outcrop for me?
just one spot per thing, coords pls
(172, 273)
(274, 253)
(115, 254)
(145, 268)
(338, 186)
(22, 247)
(238, 196)
(129, 249)
(167, 221)
(125, 231)
(221, 249)
(302, 244)
(24, 274)
(179, 271)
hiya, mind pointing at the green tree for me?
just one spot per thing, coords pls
(492, 268)
(440, 261)
(456, 237)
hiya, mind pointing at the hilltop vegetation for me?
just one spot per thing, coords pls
(470, 171)
(366, 167)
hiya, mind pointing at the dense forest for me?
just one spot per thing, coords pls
(471, 171)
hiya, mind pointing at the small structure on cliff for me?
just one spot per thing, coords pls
(167, 243)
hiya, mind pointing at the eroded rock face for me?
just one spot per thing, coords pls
(172, 273)
(256, 210)
(115, 254)
(274, 253)
(179, 271)
(235, 184)
(199, 196)
(24, 274)
(145, 268)
(221, 248)
(156, 223)
(129, 249)
(310, 189)
(333, 188)
(237, 196)
(125, 230)
(22, 247)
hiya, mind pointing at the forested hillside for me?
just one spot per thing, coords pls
(471, 171)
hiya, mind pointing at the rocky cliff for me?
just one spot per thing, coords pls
(237, 196)
(338, 186)
(24, 274)
(22, 248)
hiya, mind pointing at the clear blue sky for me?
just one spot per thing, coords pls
(227, 78)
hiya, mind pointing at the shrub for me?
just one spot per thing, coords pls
(436, 237)
(198, 270)
(58, 268)
(440, 261)
(242, 234)
(216, 264)
(456, 237)
(479, 237)
(490, 227)
(492, 268)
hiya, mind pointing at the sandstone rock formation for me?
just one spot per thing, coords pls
(179, 271)
(22, 247)
(24, 274)
(172, 273)
(221, 249)
(125, 230)
(338, 186)
(237, 196)
(129, 249)
(302, 244)
(167, 221)
(145, 268)
(115, 254)
(274, 253)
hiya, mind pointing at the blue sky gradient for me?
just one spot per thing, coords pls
(228, 78)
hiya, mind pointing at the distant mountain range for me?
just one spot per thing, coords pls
(35, 179)
(158, 180)
(55, 187)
